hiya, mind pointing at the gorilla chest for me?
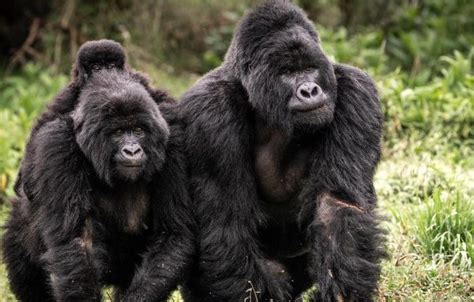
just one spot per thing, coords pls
(126, 209)
(280, 169)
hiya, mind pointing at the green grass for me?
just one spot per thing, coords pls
(424, 182)
(429, 210)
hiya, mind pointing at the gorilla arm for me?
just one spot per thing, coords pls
(347, 240)
(56, 183)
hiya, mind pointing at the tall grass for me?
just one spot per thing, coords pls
(444, 228)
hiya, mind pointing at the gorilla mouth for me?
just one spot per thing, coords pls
(310, 107)
(130, 171)
(302, 108)
(131, 165)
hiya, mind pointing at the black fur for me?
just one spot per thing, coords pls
(326, 234)
(75, 225)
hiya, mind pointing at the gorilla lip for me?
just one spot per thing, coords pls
(308, 107)
(132, 166)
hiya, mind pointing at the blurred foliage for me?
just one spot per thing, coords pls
(194, 34)
(439, 117)
(190, 33)
(22, 97)
(427, 30)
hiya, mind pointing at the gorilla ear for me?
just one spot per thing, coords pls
(97, 55)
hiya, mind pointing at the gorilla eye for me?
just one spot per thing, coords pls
(138, 131)
(111, 66)
(95, 67)
(118, 132)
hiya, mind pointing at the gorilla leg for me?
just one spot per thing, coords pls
(348, 248)
(27, 279)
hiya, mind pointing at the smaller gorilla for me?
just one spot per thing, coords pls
(102, 197)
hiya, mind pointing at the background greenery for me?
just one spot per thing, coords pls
(420, 52)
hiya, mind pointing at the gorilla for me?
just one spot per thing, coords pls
(281, 146)
(101, 197)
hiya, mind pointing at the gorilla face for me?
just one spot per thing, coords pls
(309, 79)
(120, 128)
(130, 159)
(290, 81)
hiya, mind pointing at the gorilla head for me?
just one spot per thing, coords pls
(99, 55)
(278, 57)
(119, 128)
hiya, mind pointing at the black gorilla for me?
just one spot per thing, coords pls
(102, 198)
(282, 145)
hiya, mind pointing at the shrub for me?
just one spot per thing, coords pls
(435, 118)
(22, 97)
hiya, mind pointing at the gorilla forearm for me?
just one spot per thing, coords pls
(348, 248)
(163, 267)
(72, 275)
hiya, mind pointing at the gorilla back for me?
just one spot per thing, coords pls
(282, 145)
(101, 199)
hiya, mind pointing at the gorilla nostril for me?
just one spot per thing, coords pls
(137, 151)
(305, 93)
(127, 152)
(315, 91)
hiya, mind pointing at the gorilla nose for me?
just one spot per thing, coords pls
(308, 92)
(132, 152)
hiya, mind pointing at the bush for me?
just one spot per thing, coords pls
(22, 97)
(438, 117)
(426, 30)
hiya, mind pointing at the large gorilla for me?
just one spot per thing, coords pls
(102, 196)
(282, 145)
